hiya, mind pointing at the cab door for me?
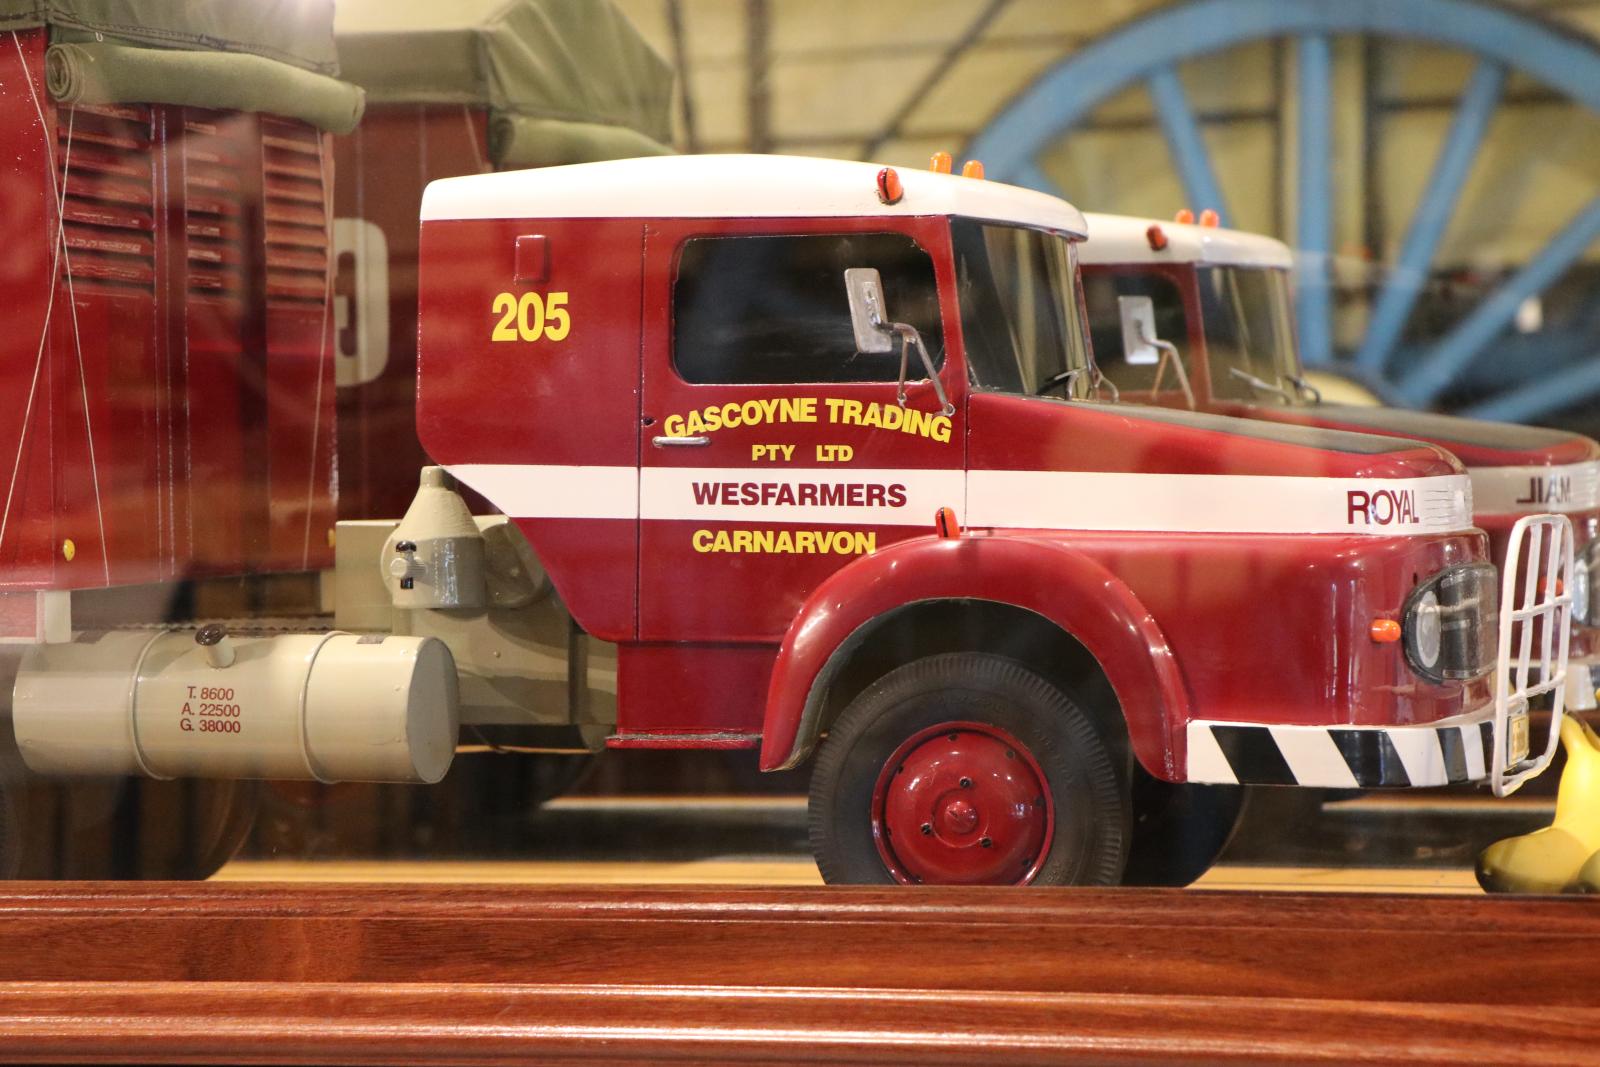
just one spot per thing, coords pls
(773, 452)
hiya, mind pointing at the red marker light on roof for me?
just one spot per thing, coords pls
(1157, 238)
(889, 189)
(1184, 215)
(940, 163)
(972, 168)
(1208, 217)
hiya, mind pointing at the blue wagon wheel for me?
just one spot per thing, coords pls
(1150, 49)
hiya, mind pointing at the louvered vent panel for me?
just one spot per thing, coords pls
(296, 213)
(109, 210)
(213, 215)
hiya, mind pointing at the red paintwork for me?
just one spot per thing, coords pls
(665, 613)
(383, 165)
(1251, 628)
(962, 803)
(187, 327)
(662, 690)
(1573, 448)
(576, 402)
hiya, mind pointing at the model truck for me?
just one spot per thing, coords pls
(804, 457)
(1220, 300)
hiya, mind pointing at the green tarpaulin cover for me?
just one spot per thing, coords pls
(297, 32)
(565, 80)
(273, 56)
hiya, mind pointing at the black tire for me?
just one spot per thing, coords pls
(219, 813)
(1089, 797)
(1179, 830)
(228, 822)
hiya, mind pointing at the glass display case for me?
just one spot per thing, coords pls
(543, 441)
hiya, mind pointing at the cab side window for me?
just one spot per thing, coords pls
(1100, 291)
(773, 309)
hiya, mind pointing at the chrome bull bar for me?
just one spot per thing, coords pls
(1535, 631)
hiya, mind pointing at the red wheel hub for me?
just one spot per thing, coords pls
(962, 803)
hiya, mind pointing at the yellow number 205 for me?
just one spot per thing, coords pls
(531, 316)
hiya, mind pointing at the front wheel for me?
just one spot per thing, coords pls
(967, 769)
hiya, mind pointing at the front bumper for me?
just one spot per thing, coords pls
(1458, 749)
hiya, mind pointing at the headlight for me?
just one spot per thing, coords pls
(1450, 623)
(1427, 629)
(1581, 608)
(1584, 589)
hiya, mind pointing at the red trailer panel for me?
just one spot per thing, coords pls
(166, 388)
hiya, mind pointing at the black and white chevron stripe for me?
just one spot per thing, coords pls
(1366, 757)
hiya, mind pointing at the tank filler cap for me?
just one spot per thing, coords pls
(214, 643)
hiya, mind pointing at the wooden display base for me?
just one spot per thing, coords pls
(159, 972)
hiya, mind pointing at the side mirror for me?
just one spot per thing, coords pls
(1138, 331)
(868, 317)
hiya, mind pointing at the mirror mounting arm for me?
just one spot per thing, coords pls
(1305, 387)
(874, 332)
(909, 336)
(1100, 379)
(1169, 354)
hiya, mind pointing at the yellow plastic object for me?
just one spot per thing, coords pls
(1564, 857)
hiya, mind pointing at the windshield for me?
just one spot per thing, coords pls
(1019, 309)
(1248, 329)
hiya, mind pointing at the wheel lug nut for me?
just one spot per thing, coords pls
(966, 783)
(984, 842)
(927, 829)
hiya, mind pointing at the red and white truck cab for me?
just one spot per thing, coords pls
(817, 447)
(1222, 299)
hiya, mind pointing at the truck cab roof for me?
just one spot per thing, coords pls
(1126, 239)
(734, 186)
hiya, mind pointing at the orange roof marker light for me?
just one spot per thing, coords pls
(940, 163)
(889, 188)
(972, 168)
(1184, 216)
(1157, 238)
(1210, 218)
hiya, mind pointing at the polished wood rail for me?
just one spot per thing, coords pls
(195, 973)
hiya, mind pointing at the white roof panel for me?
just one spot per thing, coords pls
(1123, 239)
(729, 186)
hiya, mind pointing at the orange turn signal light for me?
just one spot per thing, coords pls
(944, 521)
(1184, 215)
(889, 188)
(1384, 631)
(940, 163)
(1209, 217)
(1157, 238)
(972, 168)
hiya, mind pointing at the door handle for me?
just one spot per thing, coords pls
(680, 442)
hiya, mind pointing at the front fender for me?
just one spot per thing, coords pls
(1040, 575)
